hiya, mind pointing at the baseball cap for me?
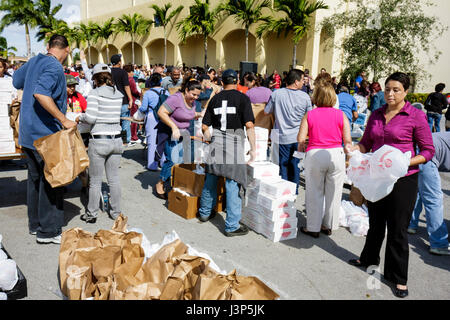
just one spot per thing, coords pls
(70, 80)
(100, 67)
(229, 73)
(115, 59)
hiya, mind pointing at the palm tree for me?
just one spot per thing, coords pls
(4, 49)
(246, 12)
(47, 22)
(21, 12)
(134, 25)
(105, 32)
(297, 14)
(90, 30)
(163, 19)
(201, 20)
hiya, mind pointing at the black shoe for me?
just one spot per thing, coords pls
(309, 233)
(328, 232)
(400, 293)
(357, 263)
(243, 230)
(88, 219)
(205, 219)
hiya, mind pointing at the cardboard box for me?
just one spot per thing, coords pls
(280, 225)
(6, 135)
(279, 214)
(252, 225)
(4, 123)
(282, 235)
(221, 203)
(262, 170)
(278, 189)
(4, 110)
(7, 147)
(273, 204)
(261, 134)
(185, 179)
(184, 206)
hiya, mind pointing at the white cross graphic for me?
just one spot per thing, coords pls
(223, 112)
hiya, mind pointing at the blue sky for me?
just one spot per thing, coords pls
(15, 34)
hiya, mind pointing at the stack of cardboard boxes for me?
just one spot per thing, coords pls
(7, 144)
(270, 203)
(187, 187)
(261, 145)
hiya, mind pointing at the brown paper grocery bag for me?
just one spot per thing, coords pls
(261, 120)
(64, 155)
(14, 122)
(251, 288)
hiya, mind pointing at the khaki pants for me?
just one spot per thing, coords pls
(324, 179)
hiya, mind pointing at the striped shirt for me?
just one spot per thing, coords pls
(104, 106)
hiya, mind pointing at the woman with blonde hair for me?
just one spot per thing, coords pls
(327, 129)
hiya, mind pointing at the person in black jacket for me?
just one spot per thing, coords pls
(435, 103)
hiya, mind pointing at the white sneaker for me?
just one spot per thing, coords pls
(55, 240)
(132, 143)
(440, 251)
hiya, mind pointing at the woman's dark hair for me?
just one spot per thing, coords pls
(375, 87)
(363, 89)
(5, 67)
(128, 68)
(401, 77)
(439, 87)
(250, 76)
(102, 78)
(155, 80)
(190, 83)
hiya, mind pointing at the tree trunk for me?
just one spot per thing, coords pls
(107, 52)
(89, 51)
(27, 36)
(206, 52)
(294, 58)
(165, 47)
(246, 44)
(132, 48)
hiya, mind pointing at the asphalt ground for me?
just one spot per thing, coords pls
(301, 268)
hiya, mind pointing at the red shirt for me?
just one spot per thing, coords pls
(277, 79)
(76, 103)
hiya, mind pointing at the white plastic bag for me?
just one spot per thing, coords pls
(138, 115)
(375, 174)
(355, 218)
(3, 296)
(8, 274)
(3, 255)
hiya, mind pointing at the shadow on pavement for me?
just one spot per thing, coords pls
(70, 212)
(137, 154)
(12, 192)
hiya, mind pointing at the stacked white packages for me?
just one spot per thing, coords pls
(270, 203)
(261, 144)
(7, 144)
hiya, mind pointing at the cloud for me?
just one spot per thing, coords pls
(15, 34)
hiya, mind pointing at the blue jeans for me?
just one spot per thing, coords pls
(436, 119)
(45, 204)
(234, 201)
(126, 125)
(289, 169)
(173, 152)
(431, 196)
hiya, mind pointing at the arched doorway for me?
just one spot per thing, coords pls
(112, 51)
(234, 48)
(155, 51)
(128, 56)
(193, 53)
(94, 55)
(325, 51)
(279, 51)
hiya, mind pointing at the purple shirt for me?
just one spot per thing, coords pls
(179, 112)
(259, 94)
(406, 129)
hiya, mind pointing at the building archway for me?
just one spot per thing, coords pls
(155, 51)
(94, 55)
(128, 56)
(112, 51)
(325, 51)
(193, 53)
(234, 48)
(279, 51)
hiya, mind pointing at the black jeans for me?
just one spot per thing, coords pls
(395, 211)
(45, 204)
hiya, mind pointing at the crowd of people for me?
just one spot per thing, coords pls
(179, 103)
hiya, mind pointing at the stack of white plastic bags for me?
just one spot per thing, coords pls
(375, 174)
(8, 273)
(355, 218)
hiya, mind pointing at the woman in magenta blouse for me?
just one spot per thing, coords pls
(402, 126)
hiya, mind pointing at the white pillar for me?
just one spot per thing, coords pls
(316, 53)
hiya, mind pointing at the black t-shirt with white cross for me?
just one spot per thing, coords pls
(229, 109)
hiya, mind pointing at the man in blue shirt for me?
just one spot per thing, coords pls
(348, 104)
(42, 113)
(359, 79)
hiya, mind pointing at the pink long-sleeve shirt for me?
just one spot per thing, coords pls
(406, 130)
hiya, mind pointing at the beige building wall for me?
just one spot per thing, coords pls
(226, 47)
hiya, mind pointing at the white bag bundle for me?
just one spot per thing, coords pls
(375, 174)
(3, 255)
(355, 218)
(8, 274)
